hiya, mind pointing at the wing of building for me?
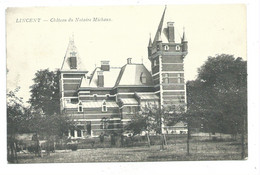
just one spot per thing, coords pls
(107, 98)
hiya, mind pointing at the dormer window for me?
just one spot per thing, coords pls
(80, 107)
(143, 78)
(104, 106)
(73, 62)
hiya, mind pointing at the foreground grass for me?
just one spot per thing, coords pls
(199, 150)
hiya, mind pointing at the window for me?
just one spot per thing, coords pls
(104, 106)
(143, 78)
(88, 126)
(104, 123)
(95, 97)
(166, 78)
(179, 78)
(154, 62)
(166, 47)
(178, 47)
(80, 107)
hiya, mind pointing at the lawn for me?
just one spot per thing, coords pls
(200, 149)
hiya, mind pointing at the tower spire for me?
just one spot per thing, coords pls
(159, 30)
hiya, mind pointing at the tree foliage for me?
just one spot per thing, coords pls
(45, 92)
(16, 113)
(219, 94)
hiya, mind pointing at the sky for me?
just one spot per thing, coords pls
(42, 42)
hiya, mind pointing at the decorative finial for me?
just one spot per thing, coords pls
(184, 39)
(72, 38)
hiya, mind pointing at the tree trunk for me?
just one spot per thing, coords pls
(148, 139)
(162, 142)
(165, 139)
(243, 139)
(188, 139)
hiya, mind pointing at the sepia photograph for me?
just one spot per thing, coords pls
(104, 84)
(126, 83)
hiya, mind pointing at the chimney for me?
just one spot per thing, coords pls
(170, 27)
(100, 82)
(129, 61)
(105, 66)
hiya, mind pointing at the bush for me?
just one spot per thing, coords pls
(73, 147)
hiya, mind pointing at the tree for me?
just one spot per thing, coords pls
(16, 116)
(45, 92)
(219, 95)
(152, 117)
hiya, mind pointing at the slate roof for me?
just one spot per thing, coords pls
(92, 104)
(110, 78)
(130, 75)
(128, 101)
(72, 51)
(147, 96)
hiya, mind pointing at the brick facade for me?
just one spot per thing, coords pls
(104, 100)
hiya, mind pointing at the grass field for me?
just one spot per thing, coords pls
(200, 149)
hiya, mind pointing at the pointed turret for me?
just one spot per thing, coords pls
(71, 59)
(150, 45)
(150, 42)
(184, 39)
(184, 42)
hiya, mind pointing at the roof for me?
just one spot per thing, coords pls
(180, 124)
(110, 77)
(147, 96)
(130, 75)
(129, 101)
(162, 32)
(97, 104)
(71, 51)
(92, 104)
(84, 82)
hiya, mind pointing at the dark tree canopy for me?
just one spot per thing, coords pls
(45, 92)
(219, 94)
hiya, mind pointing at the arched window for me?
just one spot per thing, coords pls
(166, 47)
(80, 107)
(104, 106)
(95, 97)
(143, 78)
(178, 47)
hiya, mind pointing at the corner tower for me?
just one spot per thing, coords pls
(71, 74)
(167, 64)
